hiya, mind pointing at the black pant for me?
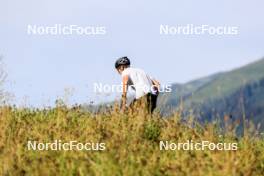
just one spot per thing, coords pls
(148, 101)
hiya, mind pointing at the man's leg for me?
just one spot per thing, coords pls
(147, 102)
(153, 102)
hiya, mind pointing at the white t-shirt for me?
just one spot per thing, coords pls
(139, 81)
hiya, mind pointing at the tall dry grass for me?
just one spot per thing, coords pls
(132, 145)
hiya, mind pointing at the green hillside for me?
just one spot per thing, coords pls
(215, 86)
(180, 91)
(220, 94)
(227, 83)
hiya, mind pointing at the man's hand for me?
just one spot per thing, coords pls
(156, 85)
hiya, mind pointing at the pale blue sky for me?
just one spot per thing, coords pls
(40, 67)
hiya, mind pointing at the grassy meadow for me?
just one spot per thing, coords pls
(132, 145)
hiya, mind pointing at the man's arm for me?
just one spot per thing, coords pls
(156, 84)
(124, 92)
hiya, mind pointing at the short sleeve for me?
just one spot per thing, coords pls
(125, 72)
